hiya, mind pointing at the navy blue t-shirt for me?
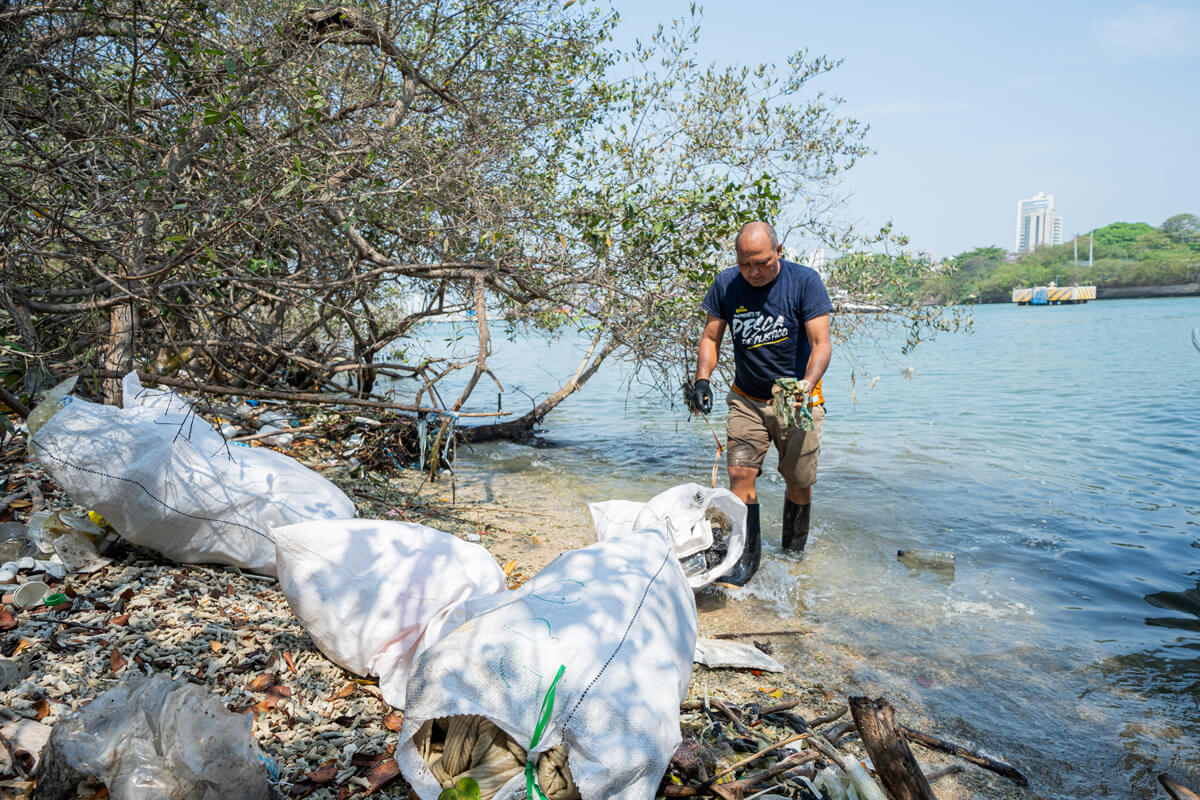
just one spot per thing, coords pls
(767, 323)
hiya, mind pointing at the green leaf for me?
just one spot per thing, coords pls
(467, 788)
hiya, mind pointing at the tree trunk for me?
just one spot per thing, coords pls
(513, 430)
(122, 336)
(894, 762)
(521, 428)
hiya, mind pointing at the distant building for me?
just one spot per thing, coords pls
(1037, 224)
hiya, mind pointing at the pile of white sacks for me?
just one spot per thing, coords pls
(577, 656)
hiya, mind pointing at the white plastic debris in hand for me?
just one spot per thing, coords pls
(690, 513)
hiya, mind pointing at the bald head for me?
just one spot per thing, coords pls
(751, 232)
(758, 253)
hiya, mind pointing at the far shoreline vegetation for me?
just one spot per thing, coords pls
(1126, 255)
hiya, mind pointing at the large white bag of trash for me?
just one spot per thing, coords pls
(366, 589)
(583, 667)
(156, 739)
(708, 526)
(165, 479)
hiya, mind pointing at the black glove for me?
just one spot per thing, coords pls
(698, 396)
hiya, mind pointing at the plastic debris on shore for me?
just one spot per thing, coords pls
(718, 653)
(155, 739)
(928, 559)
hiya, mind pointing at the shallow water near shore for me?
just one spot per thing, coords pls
(1054, 451)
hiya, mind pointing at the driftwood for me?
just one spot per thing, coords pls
(887, 743)
(935, 743)
(836, 732)
(1177, 791)
(951, 769)
(763, 633)
(12, 402)
(256, 436)
(894, 762)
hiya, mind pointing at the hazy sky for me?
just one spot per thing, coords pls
(973, 105)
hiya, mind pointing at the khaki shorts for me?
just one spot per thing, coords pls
(752, 427)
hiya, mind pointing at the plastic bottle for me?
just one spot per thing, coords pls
(51, 402)
(13, 543)
(917, 557)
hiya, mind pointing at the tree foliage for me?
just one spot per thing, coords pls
(256, 192)
(269, 197)
(1124, 255)
(1183, 229)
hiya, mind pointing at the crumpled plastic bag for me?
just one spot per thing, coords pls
(158, 739)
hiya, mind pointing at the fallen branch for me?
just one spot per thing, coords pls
(12, 498)
(764, 633)
(789, 763)
(828, 718)
(935, 743)
(314, 398)
(255, 436)
(838, 731)
(755, 757)
(10, 400)
(1177, 791)
(786, 705)
(951, 769)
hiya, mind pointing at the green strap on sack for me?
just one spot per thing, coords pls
(784, 394)
(532, 789)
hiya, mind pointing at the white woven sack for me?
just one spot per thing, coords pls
(684, 511)
(620, 618)
(614, 517)
(165, 479)
(366, 589)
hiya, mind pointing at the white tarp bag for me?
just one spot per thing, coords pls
(689, 512)
(165, 479)
(619, 619)
(366, 589)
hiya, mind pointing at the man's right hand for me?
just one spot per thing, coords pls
(698, 396)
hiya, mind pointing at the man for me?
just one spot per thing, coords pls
(778, 313)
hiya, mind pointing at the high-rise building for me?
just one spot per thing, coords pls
(1037, 224)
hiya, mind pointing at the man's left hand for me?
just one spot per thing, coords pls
(698, 396)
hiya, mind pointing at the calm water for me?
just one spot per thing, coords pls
(1054, 450)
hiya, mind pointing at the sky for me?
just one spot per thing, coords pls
(973, 106)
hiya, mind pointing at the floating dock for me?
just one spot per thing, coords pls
(1053, 295)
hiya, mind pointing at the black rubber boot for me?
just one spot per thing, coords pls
(795, 525)
(747, 565)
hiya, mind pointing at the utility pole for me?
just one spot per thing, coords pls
(1089, 249)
